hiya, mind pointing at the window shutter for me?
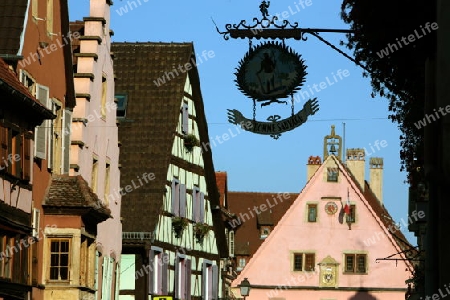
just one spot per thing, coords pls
(97, 255)
(50, 135)
(188, 280)
(194, 204)
(182, 200)
(35, 222)
(176, 278)
(185, 119)
(41, 132)
(109, 280)
(202, 207)
(26, 158)
(117, 289)
(231, 244)
(3, 145)
(104, 278)
(67, 121)
(204, 280)
(165, 267)
(175, 198)
(151, 274)
(215, 282)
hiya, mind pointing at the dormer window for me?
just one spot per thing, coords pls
(264, 232)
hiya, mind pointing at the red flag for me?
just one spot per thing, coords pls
(347, 205)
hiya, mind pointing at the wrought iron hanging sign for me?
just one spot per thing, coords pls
(269, 72)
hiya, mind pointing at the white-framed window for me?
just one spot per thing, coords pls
(210, 280)
(178, 198)
(183, 271)
(158, 267)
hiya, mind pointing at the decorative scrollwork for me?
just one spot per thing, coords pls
(254, 30)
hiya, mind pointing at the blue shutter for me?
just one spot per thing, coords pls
(182, 200)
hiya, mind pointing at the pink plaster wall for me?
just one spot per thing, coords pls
(100, 134)
(272, 265)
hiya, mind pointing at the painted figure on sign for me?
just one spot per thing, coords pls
(263, 8)
(266, 74)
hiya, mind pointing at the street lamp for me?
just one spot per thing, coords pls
(244, 287)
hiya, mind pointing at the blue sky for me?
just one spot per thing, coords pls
(257, 162)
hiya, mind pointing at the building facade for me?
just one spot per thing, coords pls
(94, 139)
(336, 240)
(173, 236)
(20, 112)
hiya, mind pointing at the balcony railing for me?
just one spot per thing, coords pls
(137, 235)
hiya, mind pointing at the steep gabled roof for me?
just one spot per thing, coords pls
(12, 19)
(148, 131)
(367, 199)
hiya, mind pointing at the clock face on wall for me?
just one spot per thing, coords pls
(331, 208)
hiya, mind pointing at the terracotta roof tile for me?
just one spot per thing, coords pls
(12, 16)
(9, 77)
(12, 86)
(72, 191)
(149, 129)
(247, 237)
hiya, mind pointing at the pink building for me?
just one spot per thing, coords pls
(94, 138)
(331, 242)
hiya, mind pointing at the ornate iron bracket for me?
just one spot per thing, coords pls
(268, 28)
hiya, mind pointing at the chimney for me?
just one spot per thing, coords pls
(376, 177)
(356, 164)
(314, 162)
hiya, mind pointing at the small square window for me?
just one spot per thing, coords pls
(122, 100)
(356, 263)
(304, 261)
(312, 212)
(332, 174)
(350, 218)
